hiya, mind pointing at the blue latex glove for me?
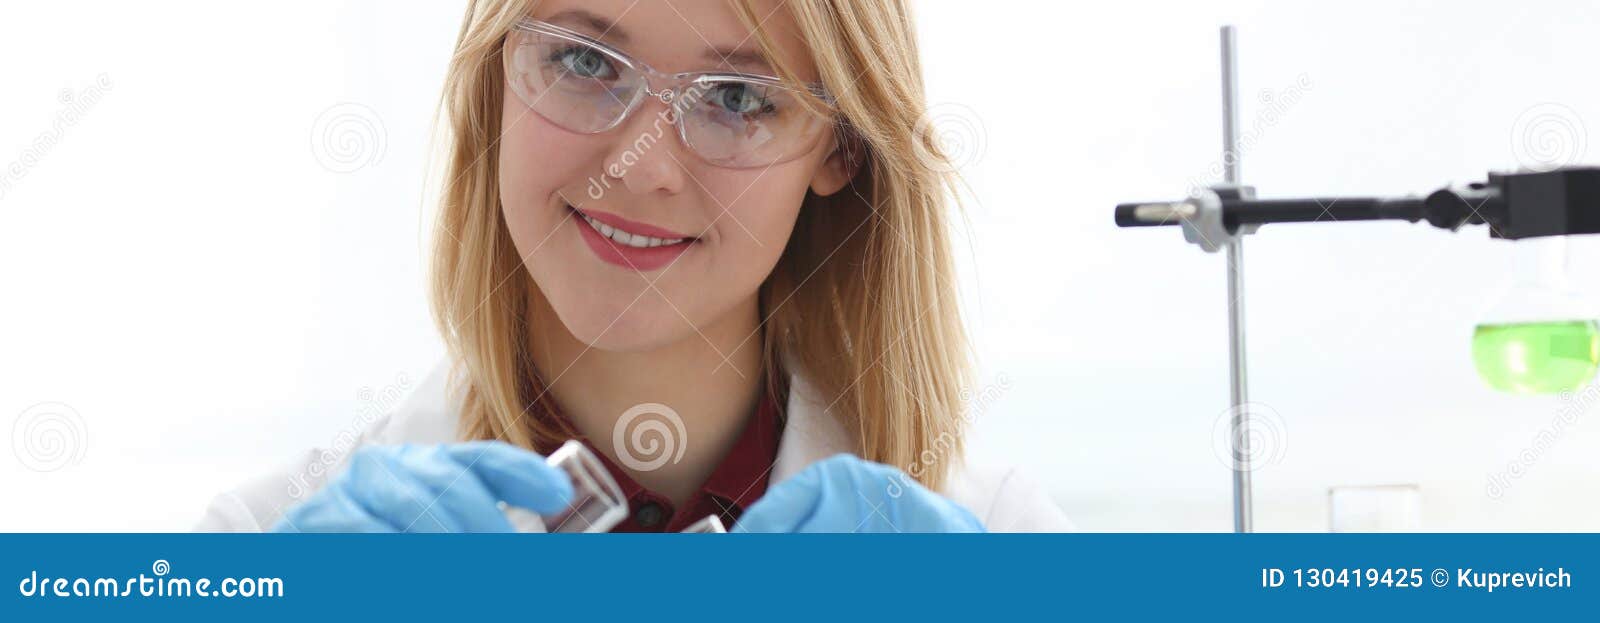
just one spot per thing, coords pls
(847, 494)
(436, 488)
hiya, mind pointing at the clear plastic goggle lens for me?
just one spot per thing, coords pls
(748, 124)
(576, 86)
(588, 89)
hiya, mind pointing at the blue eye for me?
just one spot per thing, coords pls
(584, 62)
(741, 99)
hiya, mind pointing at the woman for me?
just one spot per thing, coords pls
(746, 261)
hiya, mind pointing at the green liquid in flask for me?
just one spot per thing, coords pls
(1537, 357)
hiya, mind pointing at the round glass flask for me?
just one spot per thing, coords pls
(1541, 336)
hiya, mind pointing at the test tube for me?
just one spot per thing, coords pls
(597, 502)
(712, 524)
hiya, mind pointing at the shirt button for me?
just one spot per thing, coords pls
(648, 515)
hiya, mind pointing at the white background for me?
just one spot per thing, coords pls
(211, 276)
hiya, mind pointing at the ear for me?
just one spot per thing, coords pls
(845, 153)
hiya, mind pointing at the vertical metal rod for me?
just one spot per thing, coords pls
(1239, 425)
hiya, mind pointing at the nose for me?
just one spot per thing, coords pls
(647, 155)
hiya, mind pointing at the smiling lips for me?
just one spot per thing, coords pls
(630, 244)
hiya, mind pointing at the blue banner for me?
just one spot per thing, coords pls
(743, 576)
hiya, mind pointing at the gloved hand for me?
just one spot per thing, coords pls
(435, 488)
(847, 494)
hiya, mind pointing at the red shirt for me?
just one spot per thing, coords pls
(740, 479)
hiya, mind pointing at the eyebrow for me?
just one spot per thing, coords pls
(604, 28)
(748, 59)
(600, 25)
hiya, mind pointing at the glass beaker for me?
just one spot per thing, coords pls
(597, 504)
(1380, 508)
(712, 524)
(1541, 336)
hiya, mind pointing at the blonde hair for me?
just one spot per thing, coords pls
(862, 303)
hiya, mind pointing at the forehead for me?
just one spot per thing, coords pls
(686, 35)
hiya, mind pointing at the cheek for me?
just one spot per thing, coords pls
(537, 159)
(757, 227)
(750, 236)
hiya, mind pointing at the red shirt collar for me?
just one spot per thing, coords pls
(740, 479)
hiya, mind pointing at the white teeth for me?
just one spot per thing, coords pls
(627, 239)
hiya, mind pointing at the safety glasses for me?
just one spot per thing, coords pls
(732, 120)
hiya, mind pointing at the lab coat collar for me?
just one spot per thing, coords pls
(811, 433)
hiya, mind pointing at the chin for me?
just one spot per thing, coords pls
(647, 325)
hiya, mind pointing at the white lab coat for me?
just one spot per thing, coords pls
(1003, 499)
